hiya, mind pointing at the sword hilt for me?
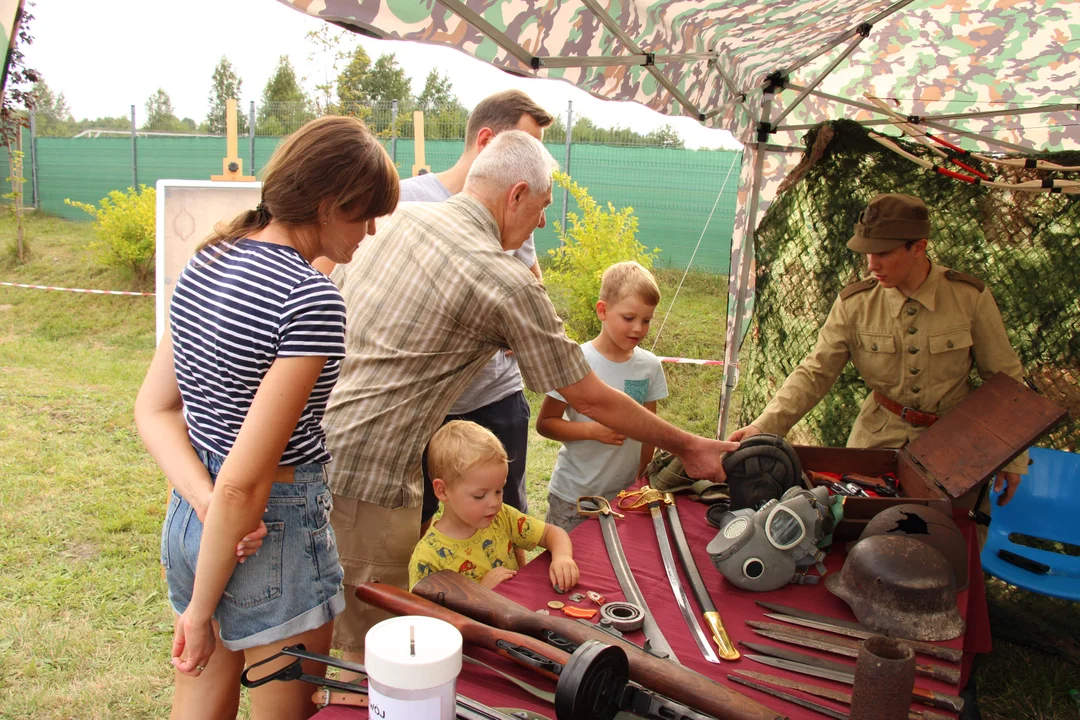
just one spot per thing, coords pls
(726, 648)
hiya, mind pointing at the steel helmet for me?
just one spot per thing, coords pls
(899, 587)
(762, 469)
(927, 525)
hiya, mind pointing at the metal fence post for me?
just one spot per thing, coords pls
(134, 154)
(393, 131)
(33, 157)
(566, 162)
(251, 139)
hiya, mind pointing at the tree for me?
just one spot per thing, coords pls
(225, 84)
(386, 81)
(52, 115)
(665, 136)
(438, 93)
(18, 101)
(285, 105)
(329, 49)
(350, 79)
(159, 113)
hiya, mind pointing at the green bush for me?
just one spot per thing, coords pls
(597, 239)
(124, 226)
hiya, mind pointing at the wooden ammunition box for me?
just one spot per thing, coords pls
(989, 427)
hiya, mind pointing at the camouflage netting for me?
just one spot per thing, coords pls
(1024, 245)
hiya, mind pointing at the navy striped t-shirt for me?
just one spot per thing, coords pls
(236, 307)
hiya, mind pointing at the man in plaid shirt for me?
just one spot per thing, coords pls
(430, 299)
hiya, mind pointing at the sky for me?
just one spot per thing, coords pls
(108, 55)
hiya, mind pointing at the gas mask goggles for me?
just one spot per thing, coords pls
(779, 543)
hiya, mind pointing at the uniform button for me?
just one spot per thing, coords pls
(949, 344)
(915, 389)
(874, 347)
(913, 349)
(914, 371)
(912, 330)
(911, 311)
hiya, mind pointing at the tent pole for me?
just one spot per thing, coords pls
(846, 35)
(497, 36)
(746, 256)
(863, 32)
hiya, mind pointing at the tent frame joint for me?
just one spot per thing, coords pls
(915, 119)
(777, 80)
(864, 29)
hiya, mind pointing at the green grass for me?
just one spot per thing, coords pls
(85, 627)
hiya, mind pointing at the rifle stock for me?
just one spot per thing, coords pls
(401, 602)
(462, 595)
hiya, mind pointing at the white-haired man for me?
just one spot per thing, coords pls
(430, 299)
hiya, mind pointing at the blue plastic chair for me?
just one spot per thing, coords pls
(1047, 506)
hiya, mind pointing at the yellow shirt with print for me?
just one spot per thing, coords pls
(474, 557)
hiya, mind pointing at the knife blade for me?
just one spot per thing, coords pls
(801, 702)
(838, 696)
(825, 643)
(827, 624)
(847, 676)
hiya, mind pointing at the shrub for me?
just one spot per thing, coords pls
(124, 225)
(597, 238)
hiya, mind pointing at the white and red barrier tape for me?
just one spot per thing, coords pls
(76, 290)
(690, 361)
(677, 360)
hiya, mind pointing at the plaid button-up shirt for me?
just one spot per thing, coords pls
(430, 299)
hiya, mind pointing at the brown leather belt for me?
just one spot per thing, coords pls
(908, 415)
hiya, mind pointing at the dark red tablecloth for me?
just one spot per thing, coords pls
(531, 588)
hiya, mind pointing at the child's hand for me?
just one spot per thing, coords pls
(563, 572)
(496, 576)
(606, 435)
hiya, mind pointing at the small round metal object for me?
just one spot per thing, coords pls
(577, 597)
(624, 616)
(556, 605)
(543, 611)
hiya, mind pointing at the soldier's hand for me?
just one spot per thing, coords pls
(704, 460)
(1011, 481)
(743, 433)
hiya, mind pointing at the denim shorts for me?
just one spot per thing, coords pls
(291, 585)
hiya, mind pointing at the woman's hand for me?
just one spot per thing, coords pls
(251, 542)
(193, 644)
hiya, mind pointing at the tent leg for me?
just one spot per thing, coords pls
(746, 256)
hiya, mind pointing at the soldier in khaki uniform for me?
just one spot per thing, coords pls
(912, 329)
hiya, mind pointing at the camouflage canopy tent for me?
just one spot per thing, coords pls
(989, 75)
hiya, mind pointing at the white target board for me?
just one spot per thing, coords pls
(187, 211)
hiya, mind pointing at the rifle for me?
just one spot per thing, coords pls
(462, 595)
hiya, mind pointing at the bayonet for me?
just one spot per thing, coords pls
(836, 646)
(795, 616)
(829, 670)
(818, 691)
(801, 702)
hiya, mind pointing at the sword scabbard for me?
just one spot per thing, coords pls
(726, 648)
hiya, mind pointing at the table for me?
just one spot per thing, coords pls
(531, 588)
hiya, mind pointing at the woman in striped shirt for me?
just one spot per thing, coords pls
(231, 410)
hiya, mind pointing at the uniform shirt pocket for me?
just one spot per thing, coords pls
(875, 358)
(950, 353)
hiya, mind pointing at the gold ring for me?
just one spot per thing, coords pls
(200, 668)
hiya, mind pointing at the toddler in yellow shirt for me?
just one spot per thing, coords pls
(477, 535)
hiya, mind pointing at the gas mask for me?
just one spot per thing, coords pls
(779, 543)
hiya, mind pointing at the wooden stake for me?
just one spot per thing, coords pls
(232, 166)
(418, 144)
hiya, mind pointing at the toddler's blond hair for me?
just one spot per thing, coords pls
(624, 279)
(460, 445)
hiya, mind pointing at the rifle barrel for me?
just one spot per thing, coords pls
(681, 684)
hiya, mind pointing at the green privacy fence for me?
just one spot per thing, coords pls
(673, 191)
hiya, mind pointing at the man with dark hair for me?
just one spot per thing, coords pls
(495, 399)
(912, 329)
